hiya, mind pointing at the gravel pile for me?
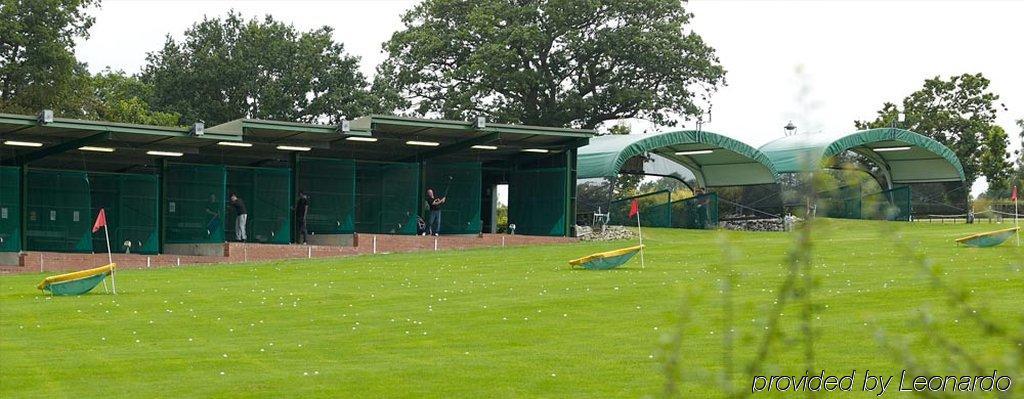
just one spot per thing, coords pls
(612, 233)
(759, 224)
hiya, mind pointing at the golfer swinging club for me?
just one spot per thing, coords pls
(434, 221)
(241, 217)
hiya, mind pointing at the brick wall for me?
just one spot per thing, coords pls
(35, 262)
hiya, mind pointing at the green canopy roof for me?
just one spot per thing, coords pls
(905, 156)
(727, 162)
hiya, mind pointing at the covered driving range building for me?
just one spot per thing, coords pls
(164, 189)
(714, 160)
(903, 158)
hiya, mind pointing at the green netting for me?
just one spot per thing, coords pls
(59, 211)
(700, 212)
(387, 197)
(893, 204)
(655, 210)
(133, 211)
(843, 202)
(463, 182)
(330, 184)
(536, 203)
(267, 196)
(194, 196)
(10, 209)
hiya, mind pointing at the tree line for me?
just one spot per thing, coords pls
(549, 62)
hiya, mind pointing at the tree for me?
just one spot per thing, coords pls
(959, 113)
(118, 97)
(229, 68)
(551, 62)
(38, 68)
(1015, 174)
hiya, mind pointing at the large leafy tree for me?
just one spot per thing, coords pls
(959, 112)
(551, 62)
(233, 68)
(118, 97)
(38, 68)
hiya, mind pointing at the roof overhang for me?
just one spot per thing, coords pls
(906, 157)
(716, 160)
(376, 138)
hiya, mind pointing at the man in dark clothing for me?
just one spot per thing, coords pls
(301, 211)
(241, 216)
(434, 221)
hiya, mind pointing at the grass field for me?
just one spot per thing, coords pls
(513, 322)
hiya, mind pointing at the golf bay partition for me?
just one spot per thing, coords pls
(132, 206)
(10, 209)
(330, 184)
(59, 211)
(267, 196)
(387, 197)
(461, 183)
(193, 208)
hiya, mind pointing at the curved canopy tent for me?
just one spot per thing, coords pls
(904, 156)
(714, 159)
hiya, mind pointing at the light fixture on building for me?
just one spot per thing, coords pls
(361, 138)
(164, 153)
(96, 149)
(293, 148)
(694, 152)
(198, 129)
(890, 149)
(536, 150)
(423, 143)
(485, 147)
(17, 143)
(45, 116)
(344, 126)
(234, 144)
(481, 122)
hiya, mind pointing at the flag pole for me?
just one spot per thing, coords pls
(641, 233)
(1016, 215)
(110, 257)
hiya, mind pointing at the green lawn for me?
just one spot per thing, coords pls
(513, 322)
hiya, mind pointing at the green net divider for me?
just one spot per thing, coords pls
(843, 203)
(655, 210)
(536, 203)
(387, 197)
(131, 203)
(10, 209)
(195, 207)
(59, 211)
(700, 212)
(330, 184)
(267, 196)
(463, 181)
(892, 204)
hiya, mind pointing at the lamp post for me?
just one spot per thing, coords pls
(790, 128)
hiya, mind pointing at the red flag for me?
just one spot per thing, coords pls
(1013, 197)
(634, 208)
(101, 221)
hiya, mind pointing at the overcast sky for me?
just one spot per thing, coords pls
(854, 55)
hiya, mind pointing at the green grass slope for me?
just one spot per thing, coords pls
(512, 322)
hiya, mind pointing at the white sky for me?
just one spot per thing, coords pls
(855, 54)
